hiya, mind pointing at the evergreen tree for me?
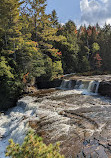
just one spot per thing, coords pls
(9, 25)
(69, 48)
(36, 9)
(54, 19)
(10, 41)
(45, 32)
(33, 146)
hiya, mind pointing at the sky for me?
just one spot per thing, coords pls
(81, 11)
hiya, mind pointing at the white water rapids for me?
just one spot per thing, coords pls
(90, 86)
(15, 122)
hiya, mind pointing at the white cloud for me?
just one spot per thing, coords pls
(93, 11)
(105, 1)
(62, 24)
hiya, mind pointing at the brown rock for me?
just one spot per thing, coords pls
(34, 123)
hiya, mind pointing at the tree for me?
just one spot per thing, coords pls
(10, 26)
(105, 47)
(57, 69)
(45, 32)
(95, 47)
(36, 9)
(69, 48)
(33, 146)
(30, 60)
(5, 69)
(85, 66)
(54, 19)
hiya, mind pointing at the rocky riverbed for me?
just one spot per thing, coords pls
(81, 123)
(90, 78)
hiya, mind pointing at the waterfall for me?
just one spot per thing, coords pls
(93, 86)
(64, 84)
(70, 84)
(97, 87)
(89, 86)
(67, 84)
(78, 84)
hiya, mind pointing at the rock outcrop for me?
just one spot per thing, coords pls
(105, 88)
(65, 116)
(48, 84)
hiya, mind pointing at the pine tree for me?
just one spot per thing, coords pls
(36, 9)
(69, 48)
(54, 19)
(10, 41)
(44, 33)
(10, 26)
(33, 146)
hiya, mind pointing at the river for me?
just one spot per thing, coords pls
(78, 118)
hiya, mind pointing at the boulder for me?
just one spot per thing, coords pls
(105, 88)
(30, 89)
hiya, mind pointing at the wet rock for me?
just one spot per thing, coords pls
(105, 88)
(30, 89)
(33, 123)
(73, 83)
(49, 84)
(94, 155)
(65, 116)
(101, 152)
(92, 149)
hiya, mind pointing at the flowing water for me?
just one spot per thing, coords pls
(71, 115)
(87, 87)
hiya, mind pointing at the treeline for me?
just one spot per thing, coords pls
(86, 49)
(35, 45)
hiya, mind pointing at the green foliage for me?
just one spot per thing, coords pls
(69, 47)
(54, 19)
(27, 40)
(33, 146)
(5, 69)
(95, 47)
(30, 60)
(33, 42)
(85, 65)
(10, 25)
(48, 68)
(57, 69)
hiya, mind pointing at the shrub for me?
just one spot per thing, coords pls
(33, 147)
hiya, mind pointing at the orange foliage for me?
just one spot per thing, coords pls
(89, 31)
(59, 53)
(24, 77)
(75, 31)
(99, 59)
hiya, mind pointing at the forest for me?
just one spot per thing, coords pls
(35, 45)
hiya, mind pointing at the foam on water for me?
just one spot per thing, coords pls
(15, 123)
(81, 87)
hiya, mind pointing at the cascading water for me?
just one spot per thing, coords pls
(64, 84)
(93, 86)
(89, 86)
(67, 84)
(61, 115)
(78, 84)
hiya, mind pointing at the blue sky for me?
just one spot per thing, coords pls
(81, 11)
(66, 9)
